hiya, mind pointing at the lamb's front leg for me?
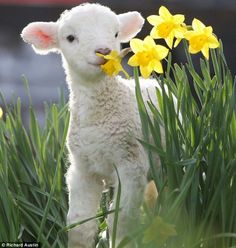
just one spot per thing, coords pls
(84, 198)
(133, 181)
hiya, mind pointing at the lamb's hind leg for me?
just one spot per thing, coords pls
(84, 198)
(133, 181)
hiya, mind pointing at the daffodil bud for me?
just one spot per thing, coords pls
(1, 113)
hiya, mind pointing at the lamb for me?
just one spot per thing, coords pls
(104, 122)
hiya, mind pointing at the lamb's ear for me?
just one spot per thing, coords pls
(130, 24)
(42, 36)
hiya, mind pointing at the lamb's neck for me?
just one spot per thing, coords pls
(86, 90)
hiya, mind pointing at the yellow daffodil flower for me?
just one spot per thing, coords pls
(167, 26)
(113, 65)
(159, 232)
(147, 55)
(1, 113)
(201, 38)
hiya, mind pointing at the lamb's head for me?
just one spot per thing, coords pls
(82, 32)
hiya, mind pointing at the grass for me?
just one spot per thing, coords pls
(32, 167)
(196, 206)
(197, 177)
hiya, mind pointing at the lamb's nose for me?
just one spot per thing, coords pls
(103, 51)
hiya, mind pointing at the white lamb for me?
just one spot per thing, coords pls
(104, 124)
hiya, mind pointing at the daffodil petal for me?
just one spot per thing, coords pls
(154, 20)
(180, 32)
(213, 42)
(158, 67)
(145, 71)
(155, 34)
(197, 25)
(125, 73)
(108, 68)
(205, 52)
(149, 42)
(108, 57)
(162, 51)
(136, 45)
(177, 41)
(111, 56)
(100, 55)
(189, 34)
(169, 40)
(164, 12)
(114, 54)
(117, 66)
(208, 30)
(178, 19)
(192, 50)
(133, 61)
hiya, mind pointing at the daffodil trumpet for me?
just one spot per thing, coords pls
(113, 66)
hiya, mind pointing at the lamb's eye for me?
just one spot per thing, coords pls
(70, 38)
(116, 35)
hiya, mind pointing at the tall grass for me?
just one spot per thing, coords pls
(197, 177)
(33, 199)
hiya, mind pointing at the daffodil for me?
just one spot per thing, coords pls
(201, 38)
(1, 113)
(113, 65)
(159, 232)
(167, 26)
(147, 55)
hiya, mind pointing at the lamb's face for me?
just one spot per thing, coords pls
(82, 32)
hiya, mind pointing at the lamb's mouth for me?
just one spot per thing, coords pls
(99, 63)
(96, 64)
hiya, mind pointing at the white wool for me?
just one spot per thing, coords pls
(104, 123)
